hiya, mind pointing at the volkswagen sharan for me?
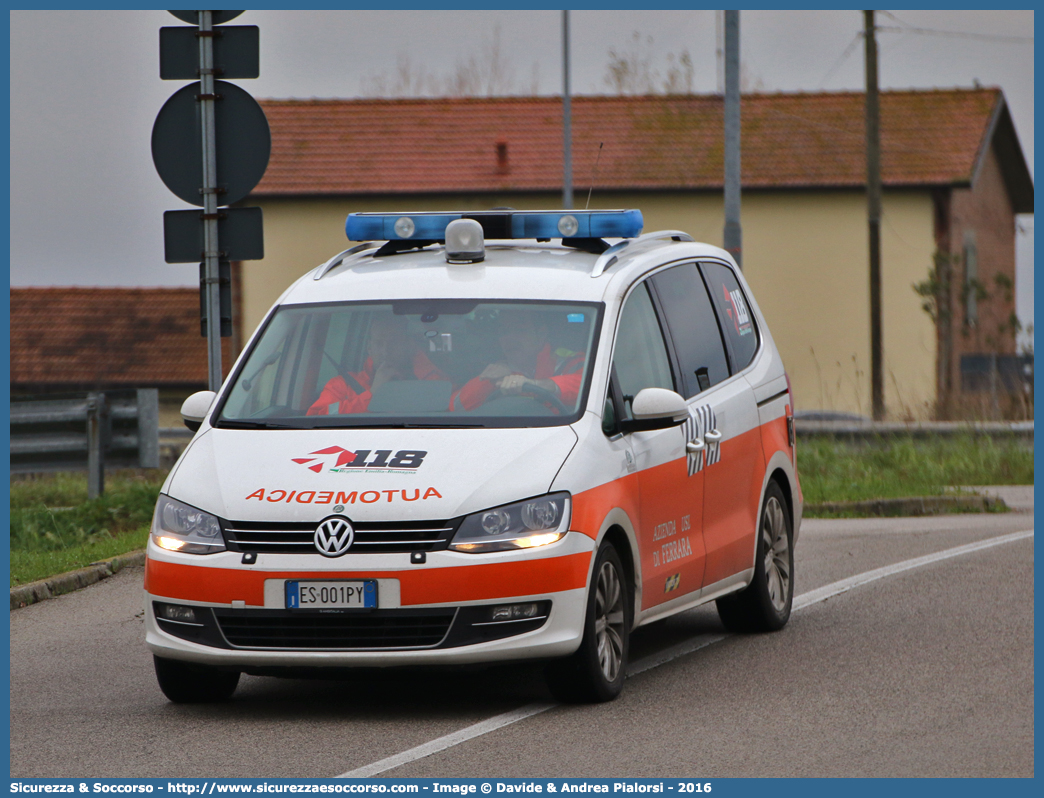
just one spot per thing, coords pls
(475, 438)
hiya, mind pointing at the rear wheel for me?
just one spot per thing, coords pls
(188, 683)
(596, 672)
(764, 606)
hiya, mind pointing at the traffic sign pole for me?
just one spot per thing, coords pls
(211, 154)
(212, 254)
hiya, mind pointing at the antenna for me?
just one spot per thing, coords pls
(597, 159)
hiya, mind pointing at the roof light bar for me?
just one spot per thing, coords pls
(431, 226)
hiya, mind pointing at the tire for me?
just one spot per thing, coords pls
(596, 672)
(188, 683)
(764, 606)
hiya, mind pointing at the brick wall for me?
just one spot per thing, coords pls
(976, 227)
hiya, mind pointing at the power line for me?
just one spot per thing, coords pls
(841, 60)
(905, 27)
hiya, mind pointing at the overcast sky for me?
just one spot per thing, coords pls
(87, 205)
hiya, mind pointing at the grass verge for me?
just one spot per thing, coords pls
(55, 528)
(895, 468)
(28, 566)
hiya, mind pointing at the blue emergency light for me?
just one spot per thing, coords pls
(431, 226)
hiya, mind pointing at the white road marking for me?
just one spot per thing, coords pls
(448, 741)
(680, 650)
(667, 655)
(843, 586)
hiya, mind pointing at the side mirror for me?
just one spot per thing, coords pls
(194, 409)
(655, 408)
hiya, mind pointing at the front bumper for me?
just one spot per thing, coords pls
(445, 603)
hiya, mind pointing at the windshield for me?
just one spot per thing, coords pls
(431, 363)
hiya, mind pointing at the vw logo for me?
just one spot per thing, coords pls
(333, 537)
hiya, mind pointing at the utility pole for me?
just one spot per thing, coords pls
(719, 51)
(873, 208)
(733, 234)
(567, 120)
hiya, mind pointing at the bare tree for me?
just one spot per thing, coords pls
(750, 81)
(534, 80)
(679, 74)
(632, 70)
(407, 80)
(489, 73)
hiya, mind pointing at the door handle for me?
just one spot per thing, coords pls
(695, 447)
(712, 436)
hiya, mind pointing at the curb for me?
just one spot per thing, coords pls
(43, 589)
(923, 505)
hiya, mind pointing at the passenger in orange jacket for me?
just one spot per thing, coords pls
(390, 357)
(529, 360)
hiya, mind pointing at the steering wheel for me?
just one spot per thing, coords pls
(534, 392)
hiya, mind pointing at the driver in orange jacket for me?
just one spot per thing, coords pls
(529, 361)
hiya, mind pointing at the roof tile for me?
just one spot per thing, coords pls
(655, 142)
(131, 337)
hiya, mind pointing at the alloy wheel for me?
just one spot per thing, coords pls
(776, 544)
(609, 621)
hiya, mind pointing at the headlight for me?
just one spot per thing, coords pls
(178, 527)
(523, 525)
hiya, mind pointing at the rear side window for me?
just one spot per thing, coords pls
(736, 319)
(693, 326)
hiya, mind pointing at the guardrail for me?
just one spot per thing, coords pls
(115, 429)
(806, 428)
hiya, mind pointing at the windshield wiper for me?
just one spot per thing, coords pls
(397, 425)
(317, 423)
(227, 424)
(443, 426)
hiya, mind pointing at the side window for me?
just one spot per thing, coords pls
(640, 357)
(734, 312)
(693, 326)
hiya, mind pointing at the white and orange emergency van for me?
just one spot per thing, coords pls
(479, 437)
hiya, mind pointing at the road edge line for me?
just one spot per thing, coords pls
(648, 663)
(448, 740)
(844, 585)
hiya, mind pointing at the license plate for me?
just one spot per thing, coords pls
(314, 595)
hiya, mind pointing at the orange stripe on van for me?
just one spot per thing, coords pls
(730, 511)
(422, 586)
(774, 437)
(590, 507)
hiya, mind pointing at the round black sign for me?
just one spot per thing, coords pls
(216, 17)
(242, 136)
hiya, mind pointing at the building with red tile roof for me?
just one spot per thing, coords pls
(953, 171)
(79, 339)
(658, 143)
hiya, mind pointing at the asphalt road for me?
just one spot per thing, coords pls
(927, 672)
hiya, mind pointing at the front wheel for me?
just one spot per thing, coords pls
(596, 672)
(188, 683)
(764, 606)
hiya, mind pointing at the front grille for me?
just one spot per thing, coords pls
(371, 537)
(299, 630)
